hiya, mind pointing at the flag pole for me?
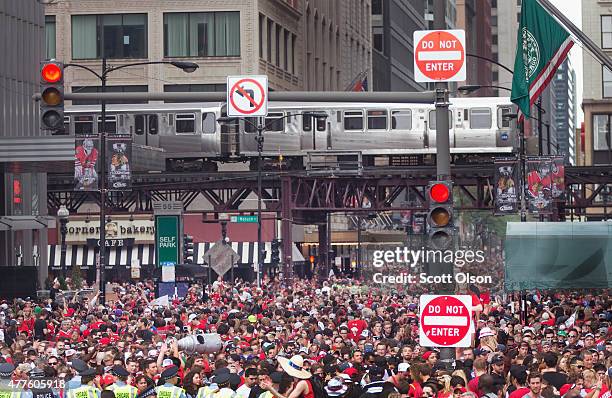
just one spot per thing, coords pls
(580, 35)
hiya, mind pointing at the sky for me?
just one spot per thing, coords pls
(572, 9)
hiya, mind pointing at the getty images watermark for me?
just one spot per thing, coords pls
(413, 258)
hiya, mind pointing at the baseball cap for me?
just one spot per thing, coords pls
(403, 367)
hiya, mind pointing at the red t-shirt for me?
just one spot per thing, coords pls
(473, 386)
(415, 390)
(520, 393)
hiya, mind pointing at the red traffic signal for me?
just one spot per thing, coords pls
(439, 192)
(312, 259)
(51, 73)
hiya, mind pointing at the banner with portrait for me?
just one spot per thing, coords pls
(87, 149)
(118, 166)
(558, 178)
(506, 186)
(539, 185)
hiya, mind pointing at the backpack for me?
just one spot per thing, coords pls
(316, 384)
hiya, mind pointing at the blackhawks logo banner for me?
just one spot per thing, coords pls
(539, 185)
(558, 178)
(542, 46)
(506, 186)
(118, 156)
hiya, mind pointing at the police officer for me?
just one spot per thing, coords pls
(224, 391)
(87, 388)
(6, 389)
(169, 389)
(43, 391)
(120, 386)
(78, 365)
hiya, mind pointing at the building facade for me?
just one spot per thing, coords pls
(474, 16)
(597, 86)
(565, 112)
(298, 44)
(505, 17)
(23, 194)
(393, 26)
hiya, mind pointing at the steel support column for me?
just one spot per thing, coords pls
(286, 229)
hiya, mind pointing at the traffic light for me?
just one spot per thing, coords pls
(188, 249)
(275, 252)
(440, 215)
(52, 96)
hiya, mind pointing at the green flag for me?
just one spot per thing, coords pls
(542, 46)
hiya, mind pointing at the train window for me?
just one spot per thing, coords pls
(83, 125)
(153, 124)
(480, 118)
(185, 123)
(306, 123)
(502, 117)
(111, 124)
(275, 123)
(401, 120)
(432, 120)
(209, 125)
(321, 123)
(377, 120)
(67, 124)
(139, 124)
(250, 124)
(353, 120)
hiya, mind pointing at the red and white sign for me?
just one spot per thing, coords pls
(439, 55)
(445, 321)
(247, 95)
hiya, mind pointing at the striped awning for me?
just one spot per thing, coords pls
(85, 256)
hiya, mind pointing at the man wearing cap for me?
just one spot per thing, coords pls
(87, 389)
(497, 370)
(37, 374)
(6, 372)
(223, 383)
(120, 386)
(376, 386)
(401, 376)
(169, 389)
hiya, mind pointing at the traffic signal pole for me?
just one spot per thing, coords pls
(442, 127)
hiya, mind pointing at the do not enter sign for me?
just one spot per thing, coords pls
(445, 321)
(439, 55)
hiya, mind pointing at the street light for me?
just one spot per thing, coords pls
(188, 67)
(62, 214)
(260, 139)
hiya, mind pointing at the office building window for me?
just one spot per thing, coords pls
(377, 7)
(378, 39)
(606, 31)
(202, 34)
(601, 132)
(110, 36)
(109, 89)
(606, 82)
(262, 26)
(50, 34)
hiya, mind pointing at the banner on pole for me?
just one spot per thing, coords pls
(558, 178)
(86, 163)
(539, 185)
(118, 155)
(506, 183)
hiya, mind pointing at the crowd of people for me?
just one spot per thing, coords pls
(338, 339)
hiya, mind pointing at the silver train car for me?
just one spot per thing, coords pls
(192, 138)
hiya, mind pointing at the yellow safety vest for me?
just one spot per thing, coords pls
(168, 392)
(225, 393)
(204, 392)
(125, 392)
(10, 394)
(84, 392)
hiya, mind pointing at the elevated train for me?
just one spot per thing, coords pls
(391, 134)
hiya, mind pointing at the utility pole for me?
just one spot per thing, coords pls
(442, 102)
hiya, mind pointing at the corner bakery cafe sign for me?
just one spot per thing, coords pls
(119, 232)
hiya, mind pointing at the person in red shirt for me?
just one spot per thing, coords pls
(480, 368)
(518, 378)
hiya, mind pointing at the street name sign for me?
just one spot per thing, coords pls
(445, 320)
(439, 56)
(247, 95)
(243, 219)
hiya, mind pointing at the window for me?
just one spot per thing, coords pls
(432, 120)
(50, 35)
(111, 124)
(262, 21)
(153, 124)
(607, 83)
(185, 123)
(274, 122)
(307, 123)
(278, 45)
(353, 120)
(109, 89)
(377, 120)
(250, 124)
(209, 124)
(606, 31)
(377, 7)
(401, 120)
(480, 118)
(110, 36)
(139, 124)
(502, 120)
(83, 125)
(321, 123)
(269, 39)
(202, 34)
(601, 136)
(377, 39)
